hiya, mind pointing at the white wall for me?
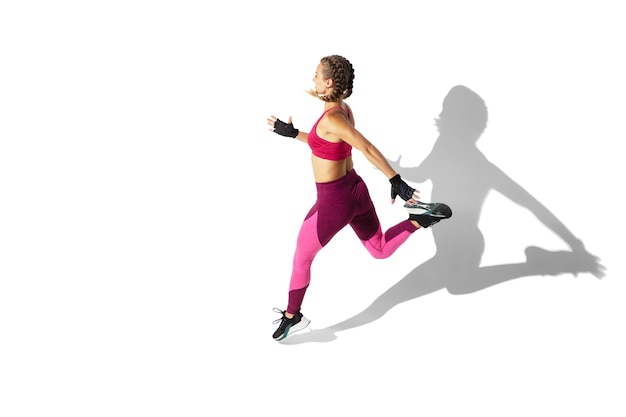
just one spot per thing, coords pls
(148, 217)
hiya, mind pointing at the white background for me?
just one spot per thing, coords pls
(148, 217)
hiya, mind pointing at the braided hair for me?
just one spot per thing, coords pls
(340, 70)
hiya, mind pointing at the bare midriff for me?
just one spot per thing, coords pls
(325, 170)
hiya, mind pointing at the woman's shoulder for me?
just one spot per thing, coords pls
(336, 119)
(339, 113)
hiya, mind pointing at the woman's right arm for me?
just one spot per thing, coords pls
(303, 136)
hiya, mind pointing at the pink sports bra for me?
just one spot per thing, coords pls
(334, 151)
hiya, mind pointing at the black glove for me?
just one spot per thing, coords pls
(285, 129)
(401, 188)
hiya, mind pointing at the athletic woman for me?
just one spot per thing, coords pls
(342, 196)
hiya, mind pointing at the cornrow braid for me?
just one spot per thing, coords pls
(340, 70)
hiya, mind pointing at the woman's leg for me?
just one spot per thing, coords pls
(308, 245)
(367, 227)
(382, 245)
(327, 217)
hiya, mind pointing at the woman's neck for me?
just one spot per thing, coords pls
(331, 104)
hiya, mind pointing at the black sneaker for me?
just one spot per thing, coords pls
(428, 214)
(288, 326)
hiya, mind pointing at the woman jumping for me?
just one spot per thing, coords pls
(342, 196)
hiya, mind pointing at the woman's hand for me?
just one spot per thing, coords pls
(402, 189)
(282, 128)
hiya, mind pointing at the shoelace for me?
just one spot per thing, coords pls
(282, 315)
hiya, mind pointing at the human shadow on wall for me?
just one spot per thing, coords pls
(462, 177)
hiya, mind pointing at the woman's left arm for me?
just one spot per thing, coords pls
(349, 134)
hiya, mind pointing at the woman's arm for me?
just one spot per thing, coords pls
(303, 136)
(339, 126)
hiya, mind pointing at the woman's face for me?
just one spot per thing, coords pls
(321, 85)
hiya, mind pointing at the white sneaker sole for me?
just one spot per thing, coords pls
(425, 208)
(303, 323)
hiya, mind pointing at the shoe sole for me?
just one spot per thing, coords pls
(297, 327)
(437, 210)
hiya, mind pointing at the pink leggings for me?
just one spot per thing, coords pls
(342, 202)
